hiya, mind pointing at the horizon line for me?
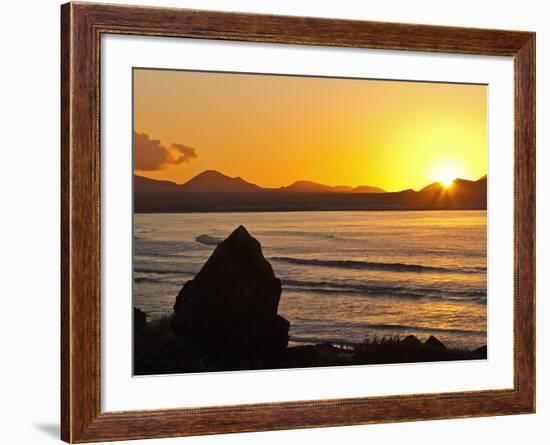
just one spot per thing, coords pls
(304, 180)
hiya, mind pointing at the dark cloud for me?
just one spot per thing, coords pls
(150, 154)
(184, 152)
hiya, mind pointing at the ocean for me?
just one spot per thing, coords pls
(347, 275)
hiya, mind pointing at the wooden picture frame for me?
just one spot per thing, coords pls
(82, 25)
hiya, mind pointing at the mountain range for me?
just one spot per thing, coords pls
(212, 191)
(214, 181)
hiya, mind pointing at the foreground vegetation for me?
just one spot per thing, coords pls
(157, 350)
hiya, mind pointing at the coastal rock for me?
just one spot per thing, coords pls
(140, 321)
(411, 340)
(231, 304)
(434, 343)
(481, 351)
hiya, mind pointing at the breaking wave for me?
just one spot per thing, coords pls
(334, 288)
(208, 240)
(369, 265)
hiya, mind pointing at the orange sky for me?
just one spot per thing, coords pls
(274, 130)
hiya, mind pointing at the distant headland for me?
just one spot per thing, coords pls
(212, 191)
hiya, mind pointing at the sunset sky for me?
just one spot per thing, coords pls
(274, 130)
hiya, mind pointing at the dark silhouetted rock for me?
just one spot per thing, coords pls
(411, 340)
(481, 351)
(434, 343)
(231, 304)
(140, 321)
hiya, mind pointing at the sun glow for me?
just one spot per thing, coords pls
(388, 134)
(447, 173)
(447, 181)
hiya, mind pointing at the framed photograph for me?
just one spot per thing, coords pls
(276, 222)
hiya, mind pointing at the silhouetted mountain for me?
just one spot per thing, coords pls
(433, 187)
(342, 188)
(461, 194)
(147, 185)
(236, 194)
(214, 181)
(457, 185)
(314, 187)
(368, 189)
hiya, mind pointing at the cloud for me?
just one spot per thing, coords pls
(150, 154)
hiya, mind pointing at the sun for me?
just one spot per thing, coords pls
(447, 180)
(446, 173)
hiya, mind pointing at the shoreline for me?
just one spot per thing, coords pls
(370, 332)
(157, 350)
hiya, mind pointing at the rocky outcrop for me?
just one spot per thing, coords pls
(140, 321)
(434, 343)
(411, 340)
(482, 351)
(231, 304)
(159, 351)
